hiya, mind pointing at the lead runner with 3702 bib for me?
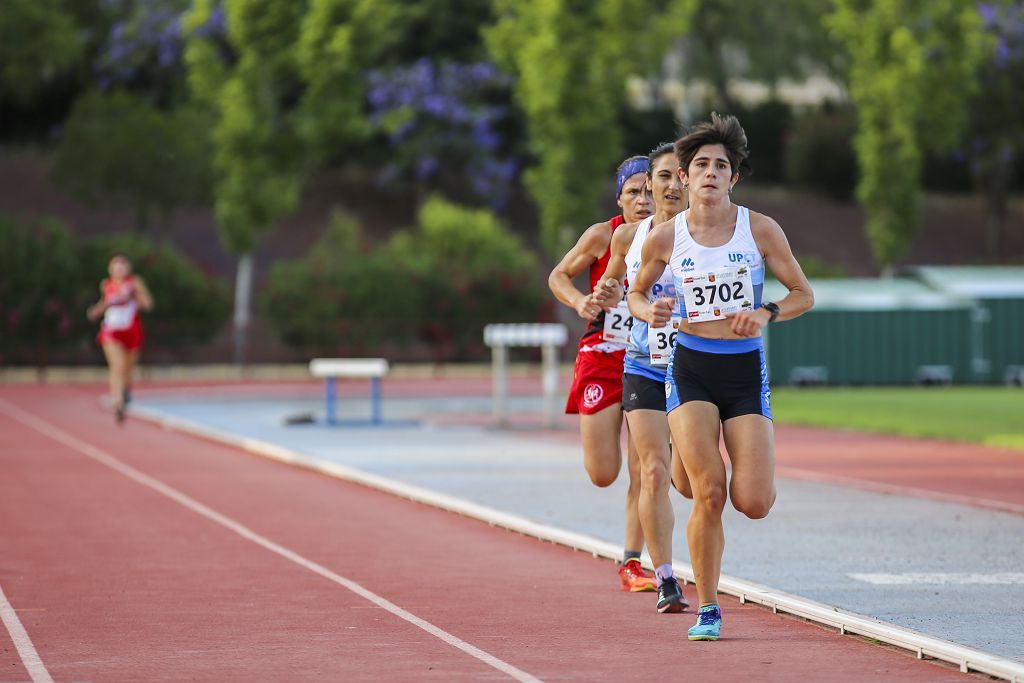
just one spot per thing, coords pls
(717, 380)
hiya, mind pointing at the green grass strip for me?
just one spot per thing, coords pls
(987, 415)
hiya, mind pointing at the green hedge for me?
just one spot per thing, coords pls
(430, 289)
(337, 299)
(42, 303)
(47, 279)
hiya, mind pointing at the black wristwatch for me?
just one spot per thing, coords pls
(771, 308)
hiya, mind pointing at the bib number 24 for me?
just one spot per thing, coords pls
(618, 324)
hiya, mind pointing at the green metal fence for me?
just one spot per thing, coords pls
(998, 293)
(875, 331)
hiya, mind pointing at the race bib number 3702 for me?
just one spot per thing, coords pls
(712, 295)
(618, 323)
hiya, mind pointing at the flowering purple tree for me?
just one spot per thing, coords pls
(144, 45)
(997, 113)
(445, 126)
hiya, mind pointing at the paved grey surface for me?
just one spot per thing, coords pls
(815, 537)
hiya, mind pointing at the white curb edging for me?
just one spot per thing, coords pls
(923, 645)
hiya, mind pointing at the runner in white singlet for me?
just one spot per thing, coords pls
(717, 381)
(643, 379)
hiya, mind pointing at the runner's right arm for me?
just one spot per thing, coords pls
(610, 286)
(94, 312)
(590, 247)
(653, 261)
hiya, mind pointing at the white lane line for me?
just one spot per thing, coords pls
(26, 650)
(941, 578)
(923, 645)
(57, 434)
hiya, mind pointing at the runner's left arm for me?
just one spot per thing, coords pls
(778, 256)
(142, 296)
(610, 288)
(653, 261)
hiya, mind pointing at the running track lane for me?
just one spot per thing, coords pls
(947, 471)
(114, 581)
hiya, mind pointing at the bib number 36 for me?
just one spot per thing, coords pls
(662, 341)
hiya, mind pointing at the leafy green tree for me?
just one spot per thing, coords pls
(117, 149)
(911, 72)
(440, 29)
(39, 42)
(461, 269)
(997, 114)
(329, 302)
(571, 58)
(761, 41)
(141, 50)
(41, 306)
(250, 84)
(284, 83)
(337, 41)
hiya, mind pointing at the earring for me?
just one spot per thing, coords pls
(686, 187)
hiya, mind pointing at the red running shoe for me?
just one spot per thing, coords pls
(634, 579)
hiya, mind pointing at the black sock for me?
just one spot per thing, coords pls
(630, 555)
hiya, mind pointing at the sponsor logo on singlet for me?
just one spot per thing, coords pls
(742, 257)
(688, 264)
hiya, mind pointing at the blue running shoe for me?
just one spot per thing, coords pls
(709, 624)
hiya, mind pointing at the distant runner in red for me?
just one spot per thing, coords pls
(122, 296)
(596, 391)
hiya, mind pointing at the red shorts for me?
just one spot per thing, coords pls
(596, 382)
(130, 338)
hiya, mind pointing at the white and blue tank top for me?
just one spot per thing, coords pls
(638, 352)
(690, 258)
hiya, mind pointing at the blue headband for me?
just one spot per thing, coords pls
(627, 171)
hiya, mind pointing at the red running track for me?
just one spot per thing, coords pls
(116, 581)
(940, 470)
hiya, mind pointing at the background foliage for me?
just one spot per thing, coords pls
(242, 109)
(428, 292)
(48, 278)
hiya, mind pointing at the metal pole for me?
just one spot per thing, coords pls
(243, 295)
(499, 356)
(375, 400)
(329, 396)
(980, 366)
(549, 356)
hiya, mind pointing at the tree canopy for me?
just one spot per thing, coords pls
(911, 74)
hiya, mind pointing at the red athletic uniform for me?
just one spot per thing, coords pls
(597, 374)
(121, 321)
